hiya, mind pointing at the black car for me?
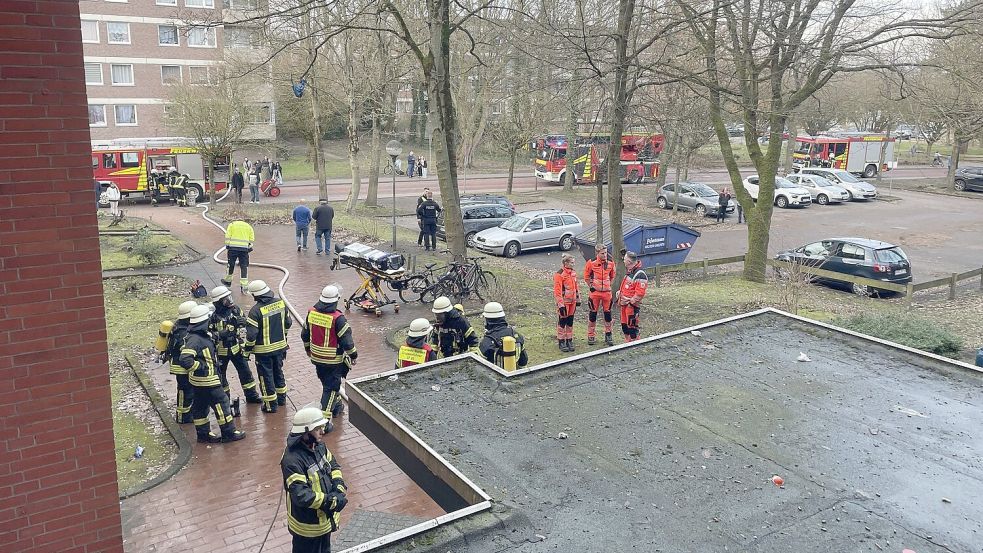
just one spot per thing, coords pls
(969, 178)
(477, 217)
(861, 257)
(487, 199)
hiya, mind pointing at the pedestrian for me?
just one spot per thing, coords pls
(330, 345)
(238, 183)
(419, 220)
(566, 294)
(175, 342)
(399, 166)
(723, 200)
(227, 321)
(428, 211)
(417, 348)
(315, 488)
(419, 167)
(302, 220)
(266, 337)
(277, 170)
(239, 239)
(453, 331)
(496, 328)
(265, 170)
(411, 164)
(425, 165)
(599, 276)
(198, 357)
(323, 216)
(740, 212)
(113, 196)
(630, 295)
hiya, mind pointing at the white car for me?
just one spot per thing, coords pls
(530, 230)
(823, 192)
(786, 193)
(858, 189)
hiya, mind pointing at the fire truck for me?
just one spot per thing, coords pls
(132, 163)
(639, 157)
(858, 154)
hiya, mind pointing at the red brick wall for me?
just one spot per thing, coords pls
(57, 468)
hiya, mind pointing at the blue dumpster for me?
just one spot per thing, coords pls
(656, 243)
(979, 357)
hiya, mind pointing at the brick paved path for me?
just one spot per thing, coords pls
(225, 499)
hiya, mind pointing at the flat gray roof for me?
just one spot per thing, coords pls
(671, 445)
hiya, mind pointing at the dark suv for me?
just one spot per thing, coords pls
(477, 217)
(861, 257)
(969, 178)
(487, 199)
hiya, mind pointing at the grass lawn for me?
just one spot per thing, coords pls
(138, 251)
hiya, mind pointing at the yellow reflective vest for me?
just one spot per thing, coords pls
(239, 235)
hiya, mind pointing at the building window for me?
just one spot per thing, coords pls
(97, 115)
(201, 37)
(121, 75)
(239, 37)
(167, 2)
(93, 73)
(90, 31)
(198, 74)
(167, 35)
(242, 4)
(170, 74)
(118, 33)
(199, 3)
(126, 115)
(261, 114)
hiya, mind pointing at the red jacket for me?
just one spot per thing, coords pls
(565, 286)
(599, 275)
(633, 287)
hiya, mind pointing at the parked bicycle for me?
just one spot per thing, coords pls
(388, 170)
(457, 280)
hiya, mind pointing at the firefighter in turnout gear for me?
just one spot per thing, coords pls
(185, 391)
(227, 320)
(599, 276)
(316, 491)
(417, 348)
(567, 297)
(630, 295)
(179, 188)
(496, 328)
(453, 334)
(330, 345)
(239, 238)
(266, 337)
(198, 357)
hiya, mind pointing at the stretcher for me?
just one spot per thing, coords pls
(369, 296)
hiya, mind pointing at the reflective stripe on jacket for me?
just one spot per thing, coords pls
(225, 323)
(266, 326)
(239, 235)
(309, 476)
(599, 275)
(175, 344)
(410, 354)
(633, 287)
(198, 356)
(565, 286)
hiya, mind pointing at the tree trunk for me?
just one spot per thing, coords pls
(354, 116)
(882, 156)
(210, 185)
(372, 192)
(322, 184)
(626, 9)
(950, 174)
(793, 132)
(573, 114)
(508, 187)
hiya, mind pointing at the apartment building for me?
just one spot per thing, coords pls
(135, 49)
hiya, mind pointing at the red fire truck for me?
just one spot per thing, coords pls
(129, 162)
(639, 157)
(858, 154)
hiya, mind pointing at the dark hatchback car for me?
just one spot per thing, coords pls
(861, 257)
(969, 178)
(477, 217)
(487, 199)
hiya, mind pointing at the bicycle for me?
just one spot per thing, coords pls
(388, 170)
(423, 285)
(469, 278)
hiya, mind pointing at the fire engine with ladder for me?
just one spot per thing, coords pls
(132, 164)
(639, 157)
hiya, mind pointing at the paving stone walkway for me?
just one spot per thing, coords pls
(227, 497)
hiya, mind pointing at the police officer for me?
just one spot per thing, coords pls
(239, 238)
(566, 294)
(419, 221)
(314, 484)
(417, 348)
(599, 276)
(427, 212)
(630, 295)
(454, 334)
(175, 342)
(226, 322)
(496, 328)
(198, 357)
(266, 337)
(330, 345)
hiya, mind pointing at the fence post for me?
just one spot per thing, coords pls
(658, 276)
(909, 294)
(706, 266)
(952, 286)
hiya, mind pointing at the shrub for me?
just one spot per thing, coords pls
(915, 332)
(145, 247)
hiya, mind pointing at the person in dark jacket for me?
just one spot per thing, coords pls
(427, 212)
(238, 183)
(419, 221)
(330, 346)
(454, 333)
(227, 320)
(323, 217)
(417, 348)
(315, 487)
(496, 328)
(266, 336)
(723, 200)
(411, 165)
(175, 343)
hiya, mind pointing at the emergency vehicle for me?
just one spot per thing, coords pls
(639, 154)
(858, 154)
(128, 162)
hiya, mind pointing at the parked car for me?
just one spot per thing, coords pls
(822, 191)
(477, 217)
(861, 257)
(786, 193)
(969, 178)
(487, 199)
(693, 196)
(858, 189)
(530, 230)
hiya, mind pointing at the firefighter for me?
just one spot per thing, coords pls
(567, 296)
(227, 320)
(198, 357)
(316, 490)
(496, 328)
(630, 295)
(454, 333)
(185, 391)
(599, 276)
(239, 238)
(179, 189)
(172, 175)
(330, 345)
(266, 337)
(417, 348)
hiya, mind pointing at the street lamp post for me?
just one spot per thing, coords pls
(394, 148)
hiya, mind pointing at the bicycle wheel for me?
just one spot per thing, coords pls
(414, 287)
(488, 283)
